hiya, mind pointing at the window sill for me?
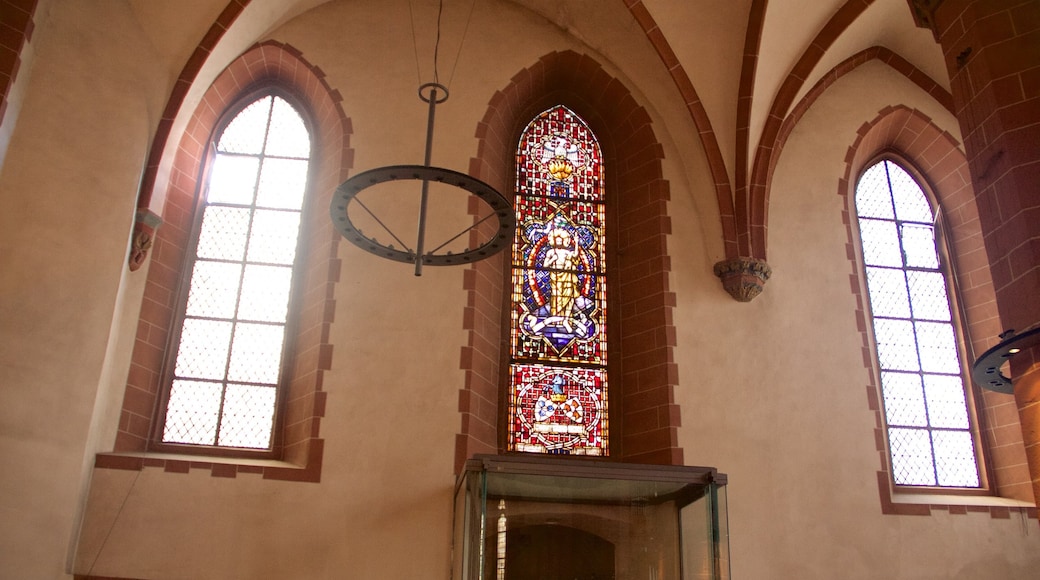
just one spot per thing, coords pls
(958, 500)
(923, 503)
(227, 467)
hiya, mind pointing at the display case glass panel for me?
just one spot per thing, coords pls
(545, 518)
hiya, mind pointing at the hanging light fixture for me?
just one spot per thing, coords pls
(496, 207)
(986, 371)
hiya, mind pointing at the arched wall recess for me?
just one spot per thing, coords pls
(644, 416)
(270, 64)
(943, 169)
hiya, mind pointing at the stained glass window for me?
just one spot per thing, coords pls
(229, 355)
(922, 381)
(558, 375)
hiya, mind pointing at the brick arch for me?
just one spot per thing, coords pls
(878, 53)
(276, 65)
(185, 80)
(752, 208)
(20, 16)
(644, 416)
(934, 157)
(699, 115)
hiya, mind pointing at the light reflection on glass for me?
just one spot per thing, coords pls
(500, 557)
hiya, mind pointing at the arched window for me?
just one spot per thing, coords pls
(224, 377)
(558, 374)
(930, 434)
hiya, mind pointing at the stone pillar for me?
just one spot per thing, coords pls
(992, 51)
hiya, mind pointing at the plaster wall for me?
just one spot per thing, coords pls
(776, 397)
(787, 33)
(695, 35)
(69, 182)
(391, 416)
(772, 392)
(884, 23)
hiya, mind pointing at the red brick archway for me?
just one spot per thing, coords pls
(934, 155)
(644, 416)
(266, 64)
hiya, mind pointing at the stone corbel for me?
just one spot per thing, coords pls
(145, 224)
(743, 277)
(924, 14)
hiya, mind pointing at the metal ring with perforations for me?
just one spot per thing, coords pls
(501, 209)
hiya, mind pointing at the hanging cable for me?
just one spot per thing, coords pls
(437, 42)
(415, 43)
(500, 208)
(458, 54)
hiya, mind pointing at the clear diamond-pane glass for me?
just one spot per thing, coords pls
(204, 349)
(911, 456)
(946, 405)
(248, 416)
(888, 297)
(922, 381)
(282, 182)
(214, 289)
(245, 133)
(256, 354)
(880, 243)
(191, 414)
(233, 179)
(872, 197)
(904, 399)
(288, 135)
(223, 233)
(232, 337)
(911, 203)
(265, 293)
(938, 347)
(274, 235)
(955, 459)
(919, 246)
(896, 347)
(928, 295)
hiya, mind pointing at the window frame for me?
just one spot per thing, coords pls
(958, 319)
(294, 303)
(609, 318)
(645, 414)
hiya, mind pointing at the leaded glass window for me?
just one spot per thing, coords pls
(229, 356)
(922, 380)
(558, 374)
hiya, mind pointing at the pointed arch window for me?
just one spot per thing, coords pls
(230, 350)
(927, 413)
(558, 366)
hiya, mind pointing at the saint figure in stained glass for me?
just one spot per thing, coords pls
(559, 306)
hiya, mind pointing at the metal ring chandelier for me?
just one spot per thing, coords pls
(986, 370)
(501, 209)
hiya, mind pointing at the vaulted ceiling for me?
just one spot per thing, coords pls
(745, 69)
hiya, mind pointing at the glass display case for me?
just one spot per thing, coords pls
(552, 518)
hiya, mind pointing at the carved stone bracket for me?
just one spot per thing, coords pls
(145, 224)
(924, 14)
(743, 277)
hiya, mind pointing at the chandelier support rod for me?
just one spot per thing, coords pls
(432, 100)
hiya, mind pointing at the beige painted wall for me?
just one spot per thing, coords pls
(772, 392)
(69, 182)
